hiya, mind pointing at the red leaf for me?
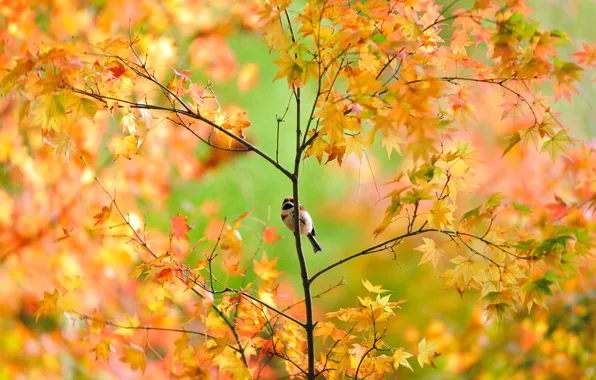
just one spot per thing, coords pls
(164, 273)
(180, 227)
(266, 350)
(269, 235)
(557, 210)
(117, 71)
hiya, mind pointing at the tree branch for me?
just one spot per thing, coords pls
(393, 241)
(192, 115)
(136, 237)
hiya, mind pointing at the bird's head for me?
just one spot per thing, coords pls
(288, 203)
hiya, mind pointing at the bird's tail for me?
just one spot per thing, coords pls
(315, 245)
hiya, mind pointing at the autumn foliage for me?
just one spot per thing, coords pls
(108, 106)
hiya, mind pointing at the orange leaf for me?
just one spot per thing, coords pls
(103, 215)
(266, 269)
(269, 235)
(236, 221)
(102, 350)
(180, 227)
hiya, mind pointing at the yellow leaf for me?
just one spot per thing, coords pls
(230, 362)
(426, 353)
(431, 252)
(127, 325)
(102, 350)
(219, 345)
(134, 356)
(124, 146)
(266, 269)
(391, 141)
(291, 69)
(214, 322)
(73, 283)
(48, 112)
(324, 329)
(182, 343)
(129, 123)
(441, 215)
(373, 289)
(466, 268)
(47, 305)
(79, 107)
(400, 357)
(61, 142)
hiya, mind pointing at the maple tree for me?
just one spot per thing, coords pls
(408, 78)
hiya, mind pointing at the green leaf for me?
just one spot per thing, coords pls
(521, 208)
(416, 195)
(524, 244)
(557, 144)
(472, 213)
(495, 200)
(555, 244)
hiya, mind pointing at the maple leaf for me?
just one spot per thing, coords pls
(49, 112)
(441, 215)
(102, 350)
(267, 350)
(269, 235)
(392, 141)
(557, 144)
(114, 45)
(47, 305)
(129, 123)
(466, 269)
(587, 56)
(182, 343)
(431, 252)
(228, 361)
(103, 215)
(61, 142)
(79, 107)
(124, 146)
(135, 356)
(116, 71)
(179, 227)
(265, 269)
(426, 353)
(291, 69)
(372, 288)
(325, 329)
(400, 357)
(96, 322)
(127, 326)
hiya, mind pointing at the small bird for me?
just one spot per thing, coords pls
(307, 226)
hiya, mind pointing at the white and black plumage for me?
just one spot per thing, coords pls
(307, 226)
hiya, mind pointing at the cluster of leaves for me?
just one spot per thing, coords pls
(499, 247)
(386, 70)
(155, 301)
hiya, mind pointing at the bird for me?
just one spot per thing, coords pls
(307, 226)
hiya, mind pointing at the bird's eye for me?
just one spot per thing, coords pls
(288, 205)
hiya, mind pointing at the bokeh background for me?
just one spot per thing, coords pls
(347, 202)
